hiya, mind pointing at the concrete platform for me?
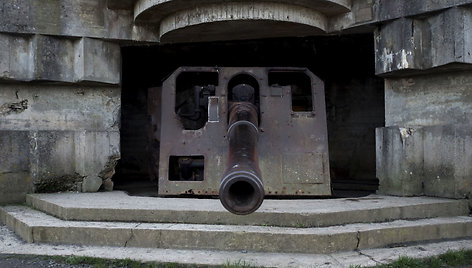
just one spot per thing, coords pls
(37, 227)
(12, 244)
(118, 206)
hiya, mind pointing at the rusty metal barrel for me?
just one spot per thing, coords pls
(241, 189)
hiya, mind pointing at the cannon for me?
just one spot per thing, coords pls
(242, 134)
(241, 189)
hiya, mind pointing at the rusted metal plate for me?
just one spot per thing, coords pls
(292, 145)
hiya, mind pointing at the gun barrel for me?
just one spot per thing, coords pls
(241, 189)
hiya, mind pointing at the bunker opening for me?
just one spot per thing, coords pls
(300, 88)
(353, 97)
(191, 98)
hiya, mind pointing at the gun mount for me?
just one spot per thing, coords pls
(222, 130)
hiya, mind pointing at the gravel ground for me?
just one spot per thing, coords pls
(26, 261)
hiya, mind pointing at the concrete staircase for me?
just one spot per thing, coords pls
(289, 226)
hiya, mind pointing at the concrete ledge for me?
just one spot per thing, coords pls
(59, 59)
(409, 45)
(118, 206)
(12, 244)
(38, 227)
(102, 19)
(156, 10)
(240, 20)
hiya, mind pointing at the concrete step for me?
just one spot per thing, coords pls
(37, 227)
(118, 206)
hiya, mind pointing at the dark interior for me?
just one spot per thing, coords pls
(354, 98)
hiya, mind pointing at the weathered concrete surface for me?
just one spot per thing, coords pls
(241, 20)
(394, 9)
(118, 206)
(61, 59)
(448, 161)
(139, 20)
(399, 161)
(71, 160)
(369, 257)
(410, 44)
(54, 161)
(428, 100)
(34, 226)
(426, 147)
(69, 137)
(59, 107)
(15, 179)
(16, 57)
(155, 10)
(359, 20)
(78, 18)
(431, 160)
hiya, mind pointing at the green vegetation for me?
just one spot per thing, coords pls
(128, 263)
(238, 264)
(449, 259)
(105, 263)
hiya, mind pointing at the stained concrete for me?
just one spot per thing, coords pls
(399, 160)
(71, 161)
(118, 206)
(37, 227)
(59, 58)
(409, 44)
(246, 21)
(76, 18)
(430, 160)
(428, 100)
(57, 137)
(426, 147)
(15, 178)
(54, 161)
(60, 107)
(156, 10)
(11, 244)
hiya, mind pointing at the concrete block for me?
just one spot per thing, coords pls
(397, 47)
(15, 179)
(98, 61)
(394, 9)
(118, 206)
(409, 44)
(72, 161)
(451, 37)
(432, 160)
(59, 59)
(59, 107)
(14, 187)
(16, 57)
(106, 19)
(54, 58)
(448, 161)
(399, 160)
(428, 100)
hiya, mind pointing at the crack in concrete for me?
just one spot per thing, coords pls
(358, 236)
(370, 257)
(362, 253)
(131, 235)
